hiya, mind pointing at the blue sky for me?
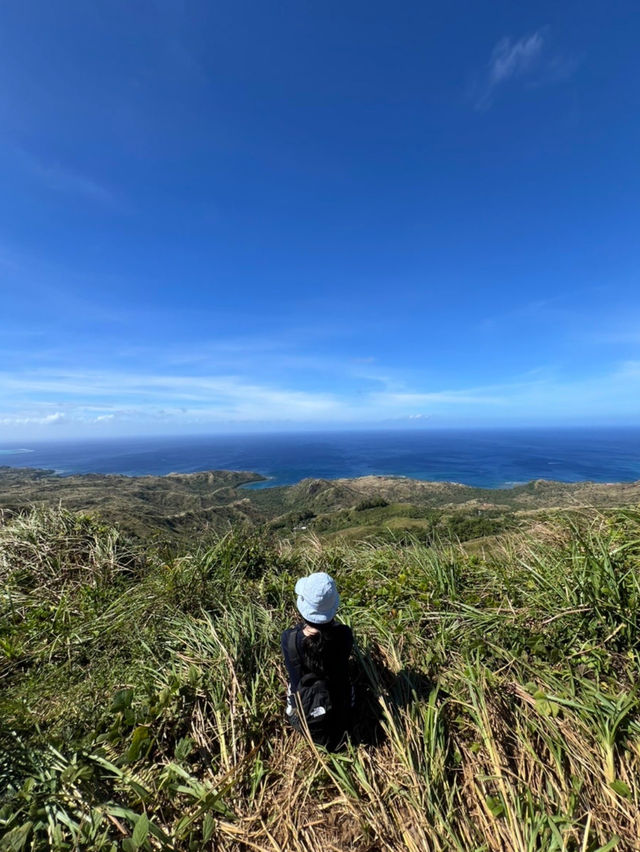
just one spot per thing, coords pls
(249, 215)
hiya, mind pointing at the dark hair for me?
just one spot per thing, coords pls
(315, 647)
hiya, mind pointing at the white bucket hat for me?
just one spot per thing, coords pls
(318, 598)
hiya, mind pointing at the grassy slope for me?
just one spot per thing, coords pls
(141, 505)
(181, 506)
(328, 495)
(394, 520)
(142, 700)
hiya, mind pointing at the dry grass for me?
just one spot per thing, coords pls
(498, 696)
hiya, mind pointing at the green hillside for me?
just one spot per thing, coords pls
(142, 700)
(142, 505)
(178, 507)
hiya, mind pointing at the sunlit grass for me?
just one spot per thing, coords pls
(143, 699)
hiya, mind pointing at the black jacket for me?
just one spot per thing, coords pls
(339, 645)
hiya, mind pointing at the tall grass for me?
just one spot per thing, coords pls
(142, 700)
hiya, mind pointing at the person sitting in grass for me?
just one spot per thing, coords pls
(316, 653)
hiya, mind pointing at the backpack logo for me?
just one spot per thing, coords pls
(318, 711)
(315, 701)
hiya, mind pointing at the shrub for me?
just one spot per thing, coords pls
(371, 503)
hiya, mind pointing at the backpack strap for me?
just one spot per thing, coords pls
(294, 654)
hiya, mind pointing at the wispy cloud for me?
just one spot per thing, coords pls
(528, 58)
(64, 179)
(100, 397)
(555, 308)
(629, 370)
(511, 58)
(77, 184)
(620, 336)
(451, 397)
(39, 420)
(125, 402)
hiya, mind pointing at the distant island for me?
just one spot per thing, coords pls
(181, 504)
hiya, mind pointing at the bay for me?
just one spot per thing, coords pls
(486, 458)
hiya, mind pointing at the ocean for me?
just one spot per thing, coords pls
(485, 458)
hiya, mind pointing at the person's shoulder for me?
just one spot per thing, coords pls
(286, 633)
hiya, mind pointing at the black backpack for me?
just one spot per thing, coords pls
(313, 700)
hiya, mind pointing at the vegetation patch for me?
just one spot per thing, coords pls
(142, 701)
(371, 503)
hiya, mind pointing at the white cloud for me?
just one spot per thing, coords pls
(115, 387)
(127, 402)
(451, 397)
(99, 397)
(512, 58)
(43, 420)
(527, 58)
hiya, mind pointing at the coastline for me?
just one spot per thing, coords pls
(494, 459)
(258, 481)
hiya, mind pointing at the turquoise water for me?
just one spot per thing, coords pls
(488, 458)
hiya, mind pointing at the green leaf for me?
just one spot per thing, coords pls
(183, 748)
(16, 839)
(494, 803)
(132, 816)
(138, 738)
(121, 700)
(141, 831)
(621, 788)
(208, 824)
(141, 792)
(610, 845)
(547, 707)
